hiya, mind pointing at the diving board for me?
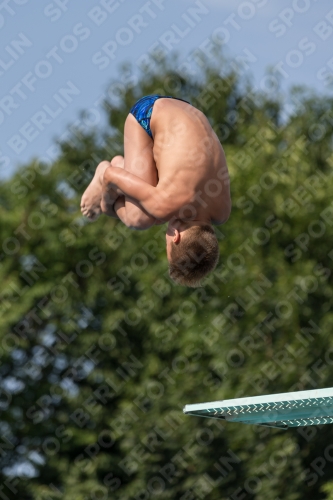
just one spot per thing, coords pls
(288, 409)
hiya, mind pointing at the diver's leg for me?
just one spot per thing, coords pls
(138, 160)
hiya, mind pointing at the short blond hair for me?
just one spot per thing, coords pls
(194, 256)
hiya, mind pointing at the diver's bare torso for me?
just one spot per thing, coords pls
(192, 170)
(179, 174)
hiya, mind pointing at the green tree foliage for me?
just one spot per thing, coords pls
(100, 351)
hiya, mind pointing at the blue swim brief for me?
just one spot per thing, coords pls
(143, 108)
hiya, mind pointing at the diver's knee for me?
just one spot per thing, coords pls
(140, 221)
(117, 161)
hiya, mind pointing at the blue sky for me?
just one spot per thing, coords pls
(58, 57)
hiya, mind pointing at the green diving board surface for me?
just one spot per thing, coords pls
(289, 409)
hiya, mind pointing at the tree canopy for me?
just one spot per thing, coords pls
(100, 350)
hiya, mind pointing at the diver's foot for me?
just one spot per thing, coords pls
(92, 197)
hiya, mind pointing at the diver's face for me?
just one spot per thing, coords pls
(172, 236)
(169, 239)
